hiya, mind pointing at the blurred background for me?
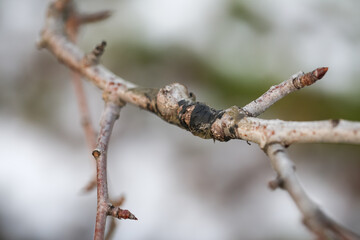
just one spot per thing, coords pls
(228, 52)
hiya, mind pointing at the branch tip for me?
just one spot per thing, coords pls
(309, 78)
(320, 72)
(132, 217)
(99, 49)
(275, 93)
(120, 213)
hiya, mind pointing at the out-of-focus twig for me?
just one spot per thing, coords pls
(110, 233)
(94, 17)
(313, 217)
(72, 24)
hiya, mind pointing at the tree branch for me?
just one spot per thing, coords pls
(313, 217)
(104, 207)
(72, 24)
(94, 17)
(264, 132)
(174, 104)
(275, 93)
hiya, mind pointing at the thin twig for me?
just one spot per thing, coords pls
(313, 217)
(174, 104)
(94, 17)
(104, 207)
(275, 93)
(84, 111)
(265, 132)
(71, 29)
(110, 233)
(109, 116)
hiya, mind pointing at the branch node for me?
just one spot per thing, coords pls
(276, 92)
(297, 75)
(109, 95)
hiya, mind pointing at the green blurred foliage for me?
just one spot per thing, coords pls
(242, 12)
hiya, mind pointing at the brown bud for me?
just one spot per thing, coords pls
(320, 72)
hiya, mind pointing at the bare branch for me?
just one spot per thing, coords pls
(94, 17)
(109, 235)
(174, 104)
(84, 111)
(313, 217)
(104, 207)
(110, 115)
(275, 93)
(52, 37)
(71, 29)
(85, 122)
(265, 132)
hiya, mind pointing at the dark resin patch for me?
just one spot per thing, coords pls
(201, 117)
(204, 114)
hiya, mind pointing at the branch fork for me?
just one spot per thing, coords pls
(174, 104)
